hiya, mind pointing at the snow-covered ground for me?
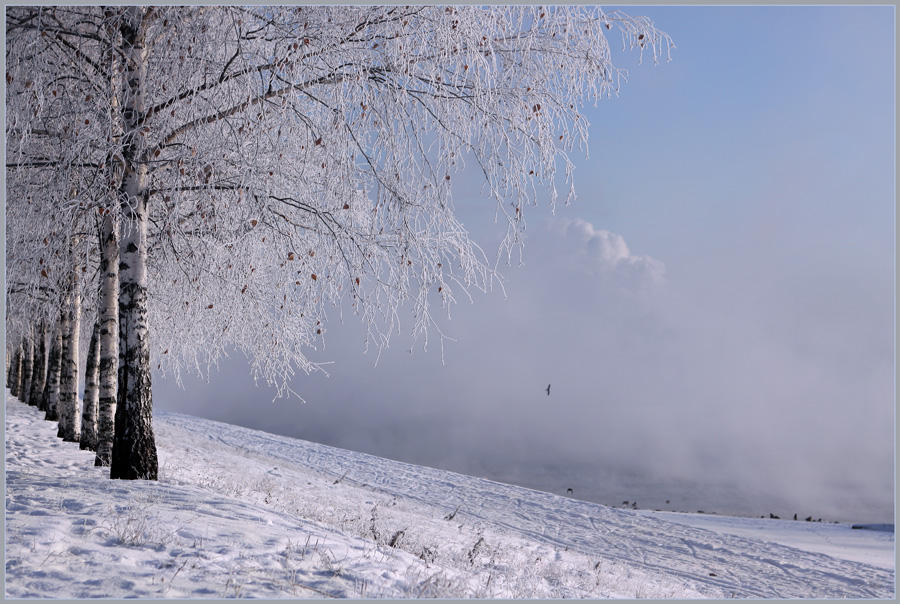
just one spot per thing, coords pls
(242, 513)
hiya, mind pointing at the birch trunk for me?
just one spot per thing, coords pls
(108, 314)
(15, 375)
(88, 438)
(134, 447)
(39, 375)
(69, 409)
(65, 330)
(54, 362)
(27, 367)
(109, 340)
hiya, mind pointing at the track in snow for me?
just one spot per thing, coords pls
(707, 561)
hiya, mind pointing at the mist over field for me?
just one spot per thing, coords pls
(714, 313)
(650, 400)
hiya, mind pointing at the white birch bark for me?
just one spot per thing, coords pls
(108, 302)
(109, 340)
(88, 439)
(69, 409)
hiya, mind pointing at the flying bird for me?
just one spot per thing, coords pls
(548, 389)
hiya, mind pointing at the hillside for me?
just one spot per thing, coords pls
(243, 513)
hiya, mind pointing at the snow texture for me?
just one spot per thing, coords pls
(242, 513)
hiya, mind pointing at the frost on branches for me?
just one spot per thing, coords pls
(258, 167)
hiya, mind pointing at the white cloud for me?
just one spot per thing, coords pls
(569, 245)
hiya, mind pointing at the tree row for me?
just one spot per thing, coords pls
(203, 181)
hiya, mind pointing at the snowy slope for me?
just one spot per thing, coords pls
(239, 512)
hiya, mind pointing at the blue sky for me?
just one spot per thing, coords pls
(758, 104)
(746, 334)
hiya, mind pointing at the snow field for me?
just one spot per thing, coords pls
(223, 522)
(462, 556)
(242, 513)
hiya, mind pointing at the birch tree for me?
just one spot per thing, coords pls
(267, 166)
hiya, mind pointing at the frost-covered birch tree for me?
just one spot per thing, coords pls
(267, 166)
